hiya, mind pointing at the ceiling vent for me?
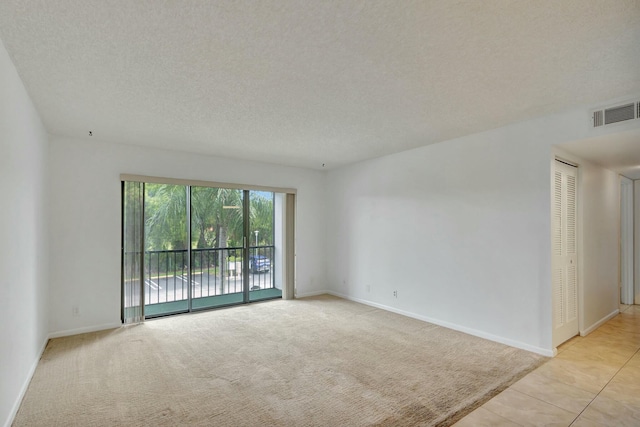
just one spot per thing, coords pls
(616, 114)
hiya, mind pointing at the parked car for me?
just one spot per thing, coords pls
(259, 264)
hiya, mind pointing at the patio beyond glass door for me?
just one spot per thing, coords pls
(261, 247)
(188, 248)
(217, 247)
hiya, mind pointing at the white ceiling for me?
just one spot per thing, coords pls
(311, 82)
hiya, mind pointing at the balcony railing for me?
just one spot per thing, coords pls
(214, 272)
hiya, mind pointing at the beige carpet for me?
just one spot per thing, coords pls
(319, 361)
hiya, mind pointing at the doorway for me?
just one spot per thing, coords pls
(564, 252)
(626, 241)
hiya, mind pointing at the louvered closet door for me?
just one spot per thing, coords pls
(565, 256)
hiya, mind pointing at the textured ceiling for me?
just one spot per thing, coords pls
(311, 82)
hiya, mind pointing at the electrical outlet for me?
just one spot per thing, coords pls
(75, 310)
(395, 294)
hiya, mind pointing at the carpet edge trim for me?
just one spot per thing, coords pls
(462, 412)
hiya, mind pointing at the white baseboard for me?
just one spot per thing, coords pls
(599, 323)
(84, 330)
(312, 294)
(25, 385)
(470, 331)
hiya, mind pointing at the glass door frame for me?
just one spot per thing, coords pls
(246, 227)
(287, 240)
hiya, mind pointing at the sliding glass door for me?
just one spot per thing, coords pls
(166, 278)
(204, 247)
(217, 246)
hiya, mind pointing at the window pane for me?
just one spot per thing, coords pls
(262, 251)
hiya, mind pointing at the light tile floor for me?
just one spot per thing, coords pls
(593, 381)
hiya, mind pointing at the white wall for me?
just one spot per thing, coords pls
(85, 220)
(23, 238)
(461, 230)
(600, 258)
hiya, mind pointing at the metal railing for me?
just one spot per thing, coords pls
(214, 272)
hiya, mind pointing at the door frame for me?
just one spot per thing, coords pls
(636, 238)
(626, 241)
(559, 155)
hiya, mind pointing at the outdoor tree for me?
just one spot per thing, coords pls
(165, 217)
(262, 216)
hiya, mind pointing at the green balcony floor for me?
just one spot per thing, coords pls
(152, 310)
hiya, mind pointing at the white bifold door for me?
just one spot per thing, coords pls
(564, 263)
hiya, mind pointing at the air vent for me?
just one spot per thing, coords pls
(615, 114)
(598, 117)
(619, 114)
